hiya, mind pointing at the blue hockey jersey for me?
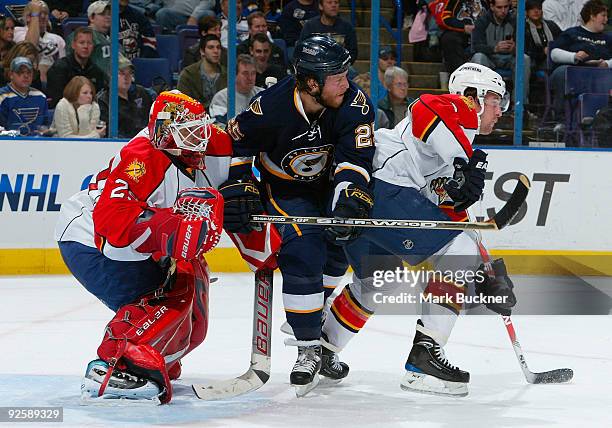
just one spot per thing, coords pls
(597, 45)
(295, 153)
(24, 113)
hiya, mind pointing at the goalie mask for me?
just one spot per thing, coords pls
(179, 125)
(481, 78)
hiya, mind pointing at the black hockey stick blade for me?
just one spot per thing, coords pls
(552, 376)
(261, 347)
(505, 215)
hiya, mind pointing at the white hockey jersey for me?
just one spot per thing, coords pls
(436, 130)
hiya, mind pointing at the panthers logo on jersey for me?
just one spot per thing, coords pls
(309, 163)
(436, 187)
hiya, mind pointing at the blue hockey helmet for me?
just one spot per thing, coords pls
(320, 56)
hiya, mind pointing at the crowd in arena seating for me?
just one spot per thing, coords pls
(55, 58)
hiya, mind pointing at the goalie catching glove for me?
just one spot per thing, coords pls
(354, 201)
(468, 181)
(242, 200)
(191, 228)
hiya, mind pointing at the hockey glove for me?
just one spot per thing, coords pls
(500, 287)
(242, 199)
(191, 228)
(468, 181)
(353, 202)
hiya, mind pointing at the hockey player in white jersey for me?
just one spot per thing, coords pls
(425, 169)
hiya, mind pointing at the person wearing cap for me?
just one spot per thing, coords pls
(22, 107)
(51, 46)
(386, 59)
(134, 102)
(99, 15)
(78, 63)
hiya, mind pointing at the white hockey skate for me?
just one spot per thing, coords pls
(121, 385)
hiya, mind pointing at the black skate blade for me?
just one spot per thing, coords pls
(553, 376)
(303, 390)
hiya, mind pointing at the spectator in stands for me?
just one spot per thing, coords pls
(99, 15)
(22, 107)
(456, 20)
(245, 90)
(242, 27)
(329, 23)
(78, 63)
(27, 50)
(261, 50)
(586, 45)
(206, 25)
(134, 102)
(564, 13)
(386, 59)
(364, 81)
(258, 25)
(77, 114)
(62, 9)
(272, 12)
(493, 41)
(206, 77)
(51, 46)
(7, 35)
(538, 34)
(170, 13)
(395, 104)
(136, 34)
(294, 15)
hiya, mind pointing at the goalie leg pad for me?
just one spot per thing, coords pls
(147, 337)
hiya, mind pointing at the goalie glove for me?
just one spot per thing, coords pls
(468, 181)
(191, 228)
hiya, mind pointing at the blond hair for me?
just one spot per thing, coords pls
(73, 88)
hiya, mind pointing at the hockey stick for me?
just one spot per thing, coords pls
(551, 376)
(259, 370)
(500, 220)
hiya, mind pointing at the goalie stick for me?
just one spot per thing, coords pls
(259, 370)
(500, 220)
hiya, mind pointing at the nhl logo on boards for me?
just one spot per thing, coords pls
(408, 244)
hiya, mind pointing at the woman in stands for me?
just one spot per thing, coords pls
(77, 114)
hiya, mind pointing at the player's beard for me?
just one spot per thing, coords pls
(330, 101)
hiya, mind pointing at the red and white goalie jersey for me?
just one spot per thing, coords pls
(138, 176)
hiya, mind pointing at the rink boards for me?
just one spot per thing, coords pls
(564, 226)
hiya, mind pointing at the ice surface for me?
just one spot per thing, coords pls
(50, 328)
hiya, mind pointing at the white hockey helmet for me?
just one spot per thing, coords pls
(480, 77)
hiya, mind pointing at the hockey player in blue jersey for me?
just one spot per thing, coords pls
(311, 136)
